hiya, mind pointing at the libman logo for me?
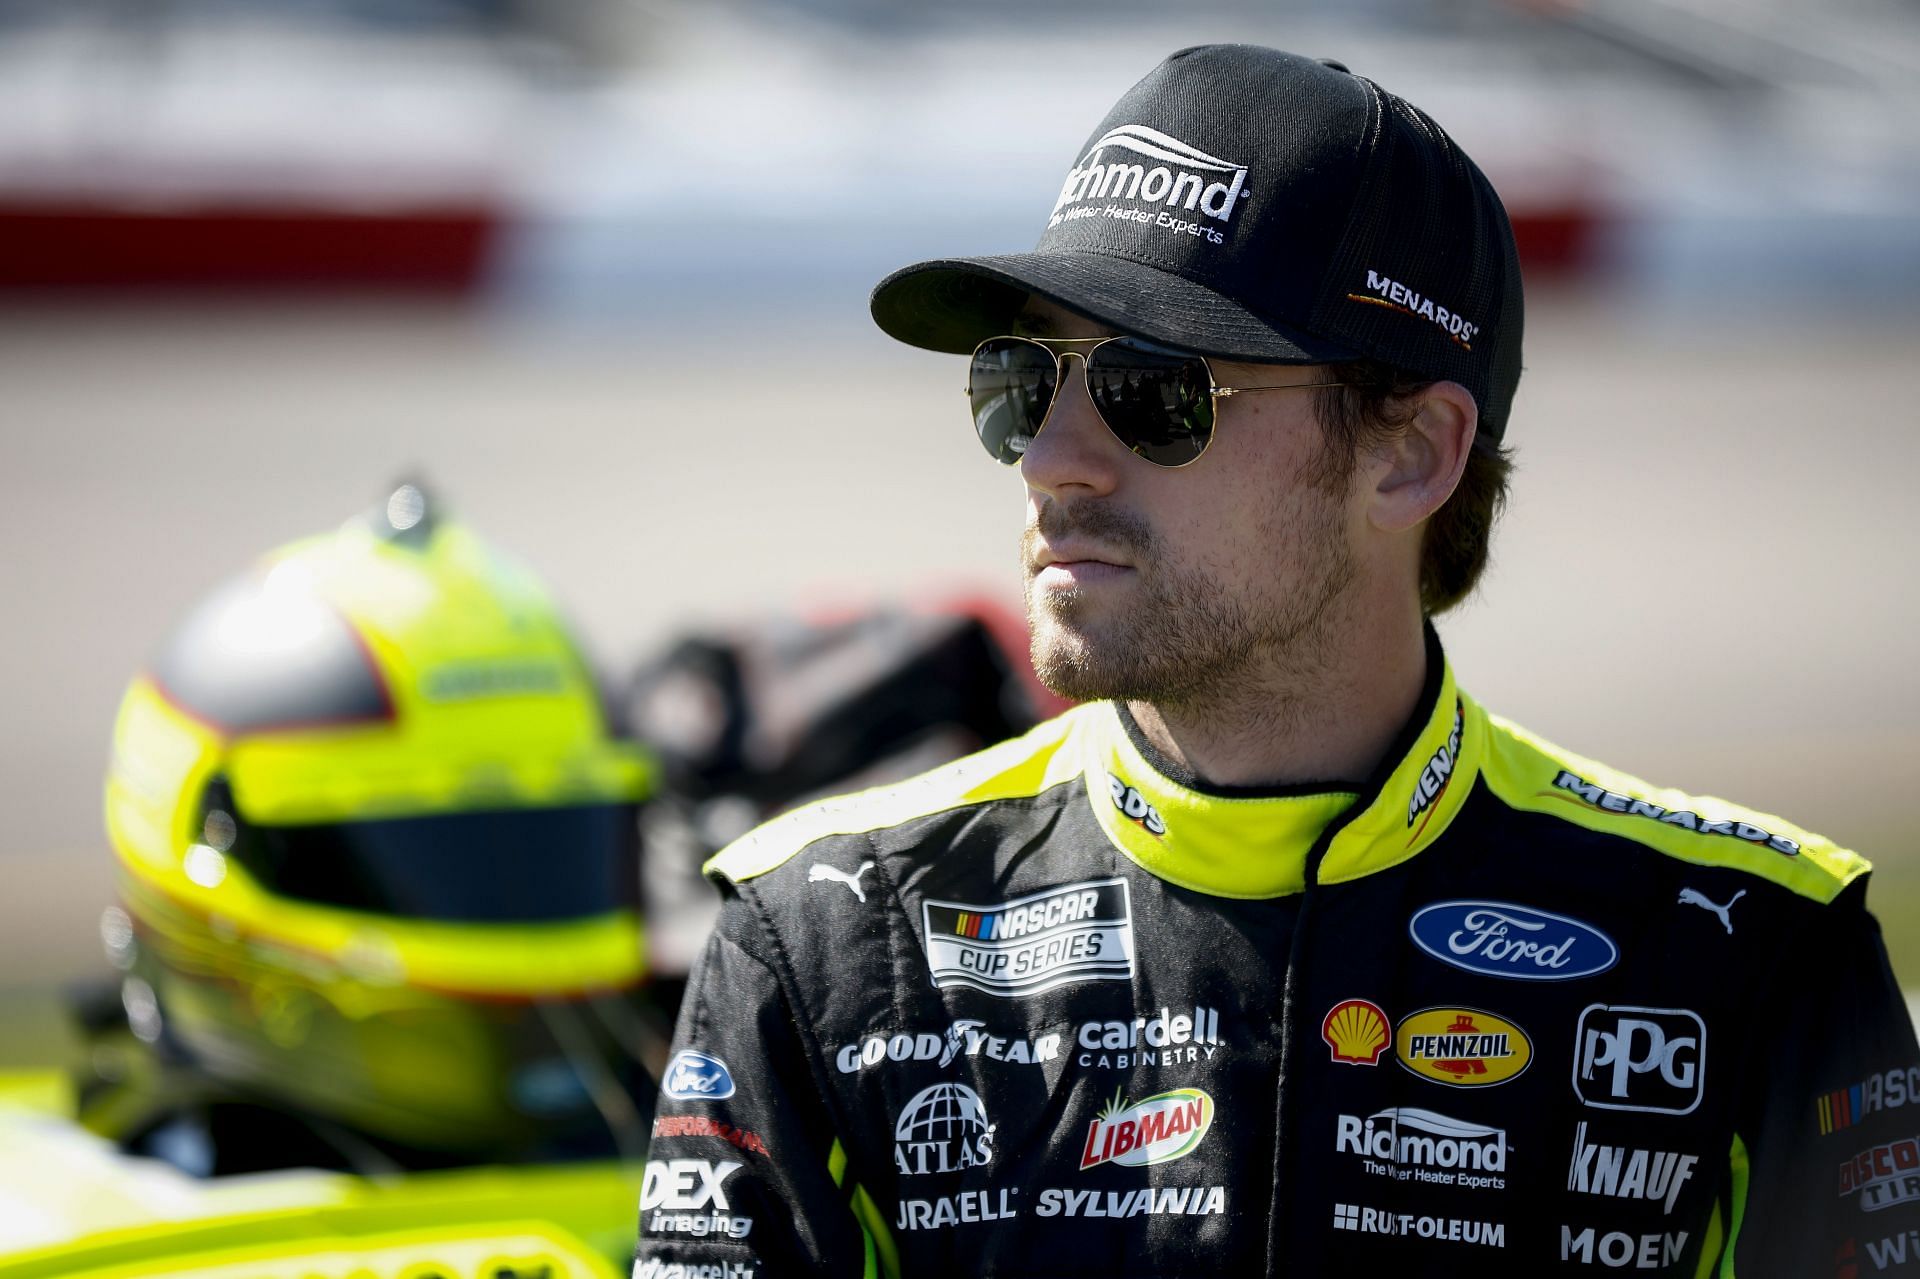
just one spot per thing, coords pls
(1136, 164)
(1462, 1047)
(1385, 291)
(1572, 784)
(1157, 1130)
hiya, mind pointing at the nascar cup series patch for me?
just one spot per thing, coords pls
(1077, 932)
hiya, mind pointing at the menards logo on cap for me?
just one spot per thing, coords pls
(1462, 1047)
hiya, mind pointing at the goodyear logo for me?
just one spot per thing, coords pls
(1462, 1047)
(1356, 1031)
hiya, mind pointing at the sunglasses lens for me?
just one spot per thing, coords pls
(1010, 387)
(1158, 402)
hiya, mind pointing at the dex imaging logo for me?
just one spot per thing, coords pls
(689, 1197)
(1646, 1059)
(1077, 932)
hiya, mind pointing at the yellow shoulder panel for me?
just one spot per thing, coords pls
(1044, 758)
(1534, 775)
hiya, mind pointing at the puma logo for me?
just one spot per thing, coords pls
(1692, 897)
(818, 873)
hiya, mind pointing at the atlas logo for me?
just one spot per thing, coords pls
(1614, 802)
(1888, 1090)
(1403, 1143)
(1433, 779)
(1883, 1175)
(1132, 803)
(1621, 1251)
(1462, 1047)
(1181, 174)
(696, 1076)
(1646, 1059)
(1077, 932)
(1618, 1172)
(689, 1197)
(1501, 939)
(1158, 1130)
(943, 1128)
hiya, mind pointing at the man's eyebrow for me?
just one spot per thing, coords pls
(1028, 325)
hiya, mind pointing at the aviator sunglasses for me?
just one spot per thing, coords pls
(1156, 401)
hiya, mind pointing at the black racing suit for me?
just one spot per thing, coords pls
(1501, 1011)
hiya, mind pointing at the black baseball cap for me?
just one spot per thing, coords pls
(1255, 205)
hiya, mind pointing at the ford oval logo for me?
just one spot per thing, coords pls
(1505, 940)
(696, 1076)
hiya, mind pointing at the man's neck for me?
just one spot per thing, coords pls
(1331, 718)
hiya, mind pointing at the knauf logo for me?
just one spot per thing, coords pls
(1145, 166)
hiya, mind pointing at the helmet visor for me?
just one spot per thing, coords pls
(496, 866)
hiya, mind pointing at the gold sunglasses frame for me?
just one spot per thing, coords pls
(1214, 389)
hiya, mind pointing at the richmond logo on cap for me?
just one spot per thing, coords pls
(1145, 166)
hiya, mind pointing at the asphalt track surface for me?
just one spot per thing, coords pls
(1707, 575)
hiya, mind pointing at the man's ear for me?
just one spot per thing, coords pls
(1415, 472)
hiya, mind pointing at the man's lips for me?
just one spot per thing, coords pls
(1071, 555)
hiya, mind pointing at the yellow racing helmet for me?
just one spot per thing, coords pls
(376, 841)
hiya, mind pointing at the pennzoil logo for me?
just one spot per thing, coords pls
(1356, 1031)
(1462, 1047)
(1156, 1130)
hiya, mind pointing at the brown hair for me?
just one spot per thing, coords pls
(1373, 407)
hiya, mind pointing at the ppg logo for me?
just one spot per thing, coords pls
(1645, 1059)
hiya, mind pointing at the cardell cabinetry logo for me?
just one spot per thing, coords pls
(1134, 165)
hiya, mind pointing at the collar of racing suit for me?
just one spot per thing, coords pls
(1250, 845)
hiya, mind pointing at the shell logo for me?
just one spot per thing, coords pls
(1356, 1031)
(1462, 1047)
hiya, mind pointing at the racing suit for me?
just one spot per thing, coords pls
(1499, 1011)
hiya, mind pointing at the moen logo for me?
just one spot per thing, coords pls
(1501, 939)
(1077, 932)
(1132, 803)
(1646, 1059)
(1158, 1130)
(1356, 1031)
(1134, 162)
(1883, 1175)
(1462, 1047)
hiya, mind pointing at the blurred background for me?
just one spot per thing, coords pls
(597, 269)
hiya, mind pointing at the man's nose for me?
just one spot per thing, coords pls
(1074, 454)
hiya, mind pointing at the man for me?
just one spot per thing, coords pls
(1280, 955)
